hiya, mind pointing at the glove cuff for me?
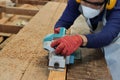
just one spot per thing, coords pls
(78, 39)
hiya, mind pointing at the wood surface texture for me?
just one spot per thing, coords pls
(19, 11)
(57, 75)
(24, 57)
(7, 40)
(10, 28)
(1, 39)
(91, 67)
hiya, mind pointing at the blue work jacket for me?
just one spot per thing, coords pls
(96, 40)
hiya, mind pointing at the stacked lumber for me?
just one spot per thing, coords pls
(22, 13)
(12, 23)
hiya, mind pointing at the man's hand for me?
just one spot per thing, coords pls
(67, 44)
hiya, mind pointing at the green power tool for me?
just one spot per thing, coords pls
(56, 62)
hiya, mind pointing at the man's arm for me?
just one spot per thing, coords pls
(69, 15)
(109, 32)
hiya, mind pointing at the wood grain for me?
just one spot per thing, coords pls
(23, 57)
(41, 53)
(10, 37)
(1, 39)
(57, 75)
(19, 11)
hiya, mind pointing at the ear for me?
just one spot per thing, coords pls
(111, 4)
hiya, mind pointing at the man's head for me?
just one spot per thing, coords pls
(92, 8)
(95, 4)
(109, 4)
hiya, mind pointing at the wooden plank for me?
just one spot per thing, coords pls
(37, 70)
(41, 52)
(4, 20)
(19, 11)
(17, 58)
(21, 20)
(2, 3)
(5, 34)
(1, 11)
(57, 75)
(2, 45)
(10, 28)
(91, 67)
(1, 39)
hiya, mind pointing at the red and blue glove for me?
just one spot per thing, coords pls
(57, 30)
(67, 44)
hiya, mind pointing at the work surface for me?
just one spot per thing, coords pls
(24, 58)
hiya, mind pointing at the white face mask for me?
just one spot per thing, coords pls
(89, 12)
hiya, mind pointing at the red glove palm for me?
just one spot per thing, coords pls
(67, 44)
